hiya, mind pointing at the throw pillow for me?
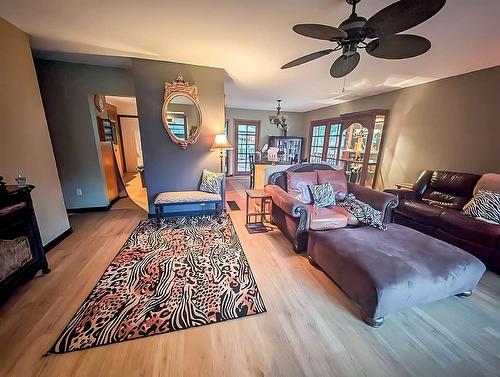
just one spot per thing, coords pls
(211, 182)
(298, 185)
(337, 179)
(485, 205)
(323, 195)
(365, 213)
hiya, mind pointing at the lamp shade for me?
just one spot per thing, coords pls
(221, 142)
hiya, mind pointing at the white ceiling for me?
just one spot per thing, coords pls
(252, 39)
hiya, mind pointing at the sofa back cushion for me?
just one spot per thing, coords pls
(489, 182)
(450, 189)
(298, 185)
(337, 179)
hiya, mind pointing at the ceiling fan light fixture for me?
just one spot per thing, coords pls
(385, 25)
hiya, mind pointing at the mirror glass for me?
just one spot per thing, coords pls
(183, 117)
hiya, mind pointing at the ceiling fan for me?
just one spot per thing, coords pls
(382, 28)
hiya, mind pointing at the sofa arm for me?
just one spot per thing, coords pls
(285, 201)
(382, 201)
(403, 194)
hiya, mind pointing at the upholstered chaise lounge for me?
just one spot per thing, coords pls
(385, 272)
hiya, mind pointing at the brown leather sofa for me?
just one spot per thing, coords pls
(296, 218)
(434, 206)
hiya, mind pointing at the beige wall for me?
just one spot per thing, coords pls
(450, 124)
(25, 146)
(295, 126)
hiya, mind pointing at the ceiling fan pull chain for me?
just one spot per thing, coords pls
(343, 86)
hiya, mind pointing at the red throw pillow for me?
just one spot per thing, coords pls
(337, 179)
(298, 185)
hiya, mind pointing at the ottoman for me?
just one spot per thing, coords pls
(384, 272)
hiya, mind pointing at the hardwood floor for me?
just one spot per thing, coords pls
(310, 329)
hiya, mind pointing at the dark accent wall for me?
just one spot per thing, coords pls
(168, 167)
(67, 90)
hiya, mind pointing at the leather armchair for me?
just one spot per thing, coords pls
(293, 217)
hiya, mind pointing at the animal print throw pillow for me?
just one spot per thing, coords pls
(484, 206)
(323, 195)
(211, 182)
(365, 213)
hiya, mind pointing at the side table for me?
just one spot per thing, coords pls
(404, 186)
(255, 219)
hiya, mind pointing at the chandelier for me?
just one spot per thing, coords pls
(279, 120)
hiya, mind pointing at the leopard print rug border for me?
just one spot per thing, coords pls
(192, 271)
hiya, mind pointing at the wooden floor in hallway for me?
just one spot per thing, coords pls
(310, 329)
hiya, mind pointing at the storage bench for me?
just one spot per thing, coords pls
(198, 202)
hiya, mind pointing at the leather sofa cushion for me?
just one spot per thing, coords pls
(419, 212)
(326, 218)
(456, 223)
(444, 200)
(337, 179)
(298, 185)
(449, 189)
(459, 184)
(351, 219)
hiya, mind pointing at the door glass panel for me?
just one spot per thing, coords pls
(377, 138)
(246, 139)
(317, 143)
(333, 144)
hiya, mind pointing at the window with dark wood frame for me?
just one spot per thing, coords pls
(247, 138)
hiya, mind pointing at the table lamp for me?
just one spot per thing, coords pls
(221, 143)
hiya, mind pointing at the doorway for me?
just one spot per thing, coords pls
(246, 136)
(128, 149)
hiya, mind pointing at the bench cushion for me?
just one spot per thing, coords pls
(384, 272)
(182, 197)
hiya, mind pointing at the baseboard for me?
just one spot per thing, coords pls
(56, 241)
(94, 209)
(87, 209)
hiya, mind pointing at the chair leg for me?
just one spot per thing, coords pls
(158, 216)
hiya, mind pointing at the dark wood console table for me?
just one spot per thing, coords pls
(21, 250)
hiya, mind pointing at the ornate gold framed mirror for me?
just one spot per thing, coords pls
(181, 112)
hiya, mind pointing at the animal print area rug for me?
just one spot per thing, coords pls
(190, 272)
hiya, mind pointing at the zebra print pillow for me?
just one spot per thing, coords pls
(365, 213)
(323, 195)
(211, 182)
(485, 205)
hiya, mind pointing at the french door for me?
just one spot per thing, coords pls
(247, 136)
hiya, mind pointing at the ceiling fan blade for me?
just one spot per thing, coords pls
(317, 31)
(307, 58)
(344, 65)
(399, 46)
(402, 15)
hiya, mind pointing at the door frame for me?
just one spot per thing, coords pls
(257, 137)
